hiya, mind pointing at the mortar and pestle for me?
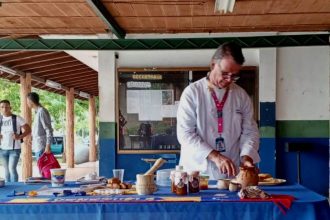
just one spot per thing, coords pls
(145, 184)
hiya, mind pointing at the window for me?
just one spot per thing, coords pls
(148, 101)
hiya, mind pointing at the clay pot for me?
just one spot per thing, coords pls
(247, 176)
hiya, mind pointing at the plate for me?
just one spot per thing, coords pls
(272, 182)
(83, 180)
(107, 192)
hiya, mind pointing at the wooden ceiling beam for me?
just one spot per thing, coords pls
(23, 57)
(75, 75)
(46, 71)
(106, 17)
(54, 67)
(43, 62)
(76, 82)
(81, 83)
(61, 72)
(12, 53)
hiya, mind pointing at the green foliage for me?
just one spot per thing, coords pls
(55, 104)
(11, 92)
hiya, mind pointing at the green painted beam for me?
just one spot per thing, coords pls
(302, 129)
(162, 44)
(267, 132)
(107, 130)
(106, 17)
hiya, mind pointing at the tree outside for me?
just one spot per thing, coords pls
(55, 104)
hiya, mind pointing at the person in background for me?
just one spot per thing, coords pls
(42, 131)
(215, 124)
(13, 129)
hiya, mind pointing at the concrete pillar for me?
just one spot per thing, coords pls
(107, 98)
(267, 99)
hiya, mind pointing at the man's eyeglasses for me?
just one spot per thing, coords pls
(227, 76)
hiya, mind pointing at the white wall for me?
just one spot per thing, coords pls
(267, 74)
(303, 83)
(297, 78)
(107, 88)
(179, 58)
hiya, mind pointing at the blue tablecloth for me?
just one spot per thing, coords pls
(308, 205)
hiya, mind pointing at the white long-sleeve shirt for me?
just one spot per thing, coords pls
(197, 127)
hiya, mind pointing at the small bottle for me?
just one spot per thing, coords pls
(181, 183)
(172, 176)
(178, 168)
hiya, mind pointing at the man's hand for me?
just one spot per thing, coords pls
(225, 165)
(247, 161)
(16, 137)
(47, 149)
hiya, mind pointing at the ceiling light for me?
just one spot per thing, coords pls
(53, 84)
(8, 70)
(224, 6)
(84, 95)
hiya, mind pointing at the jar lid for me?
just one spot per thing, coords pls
(204, 175)
(181, 174)
(193, 173)
(178, 167)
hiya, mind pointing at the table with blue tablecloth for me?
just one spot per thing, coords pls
(208, 204)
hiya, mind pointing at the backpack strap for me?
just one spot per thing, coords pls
(14, 119)
(0, 122)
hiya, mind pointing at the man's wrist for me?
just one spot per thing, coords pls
(246, 160)
(214, 154)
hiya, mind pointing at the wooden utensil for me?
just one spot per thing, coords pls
(159, 162)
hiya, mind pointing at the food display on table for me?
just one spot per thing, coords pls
(267, 179)
(115, 183)
(252, 192)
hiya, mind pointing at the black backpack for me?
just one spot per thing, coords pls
(14, 118)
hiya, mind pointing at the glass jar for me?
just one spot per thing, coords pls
(172, 176)
(204, 182)
(193, 182)
(181, 183)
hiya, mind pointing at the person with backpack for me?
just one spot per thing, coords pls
(42, 131)
(13, 129)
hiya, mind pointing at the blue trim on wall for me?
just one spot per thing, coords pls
(267, 154)
(107, 156)
(314, 164)
(267, 114)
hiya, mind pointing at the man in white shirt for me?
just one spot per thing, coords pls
(11, 126)
(215, 124)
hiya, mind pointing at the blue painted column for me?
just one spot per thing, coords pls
(267, 118)
(107, 113)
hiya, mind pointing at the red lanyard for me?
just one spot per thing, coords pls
(219, 106)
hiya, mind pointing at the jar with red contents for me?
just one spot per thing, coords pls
(181, 183)
(193, 181)
(172, 177)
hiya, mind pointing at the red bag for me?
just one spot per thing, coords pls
(46, 162)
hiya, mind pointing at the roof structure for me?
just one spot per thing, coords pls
(122, 18)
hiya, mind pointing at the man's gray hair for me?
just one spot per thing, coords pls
(229, 49)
